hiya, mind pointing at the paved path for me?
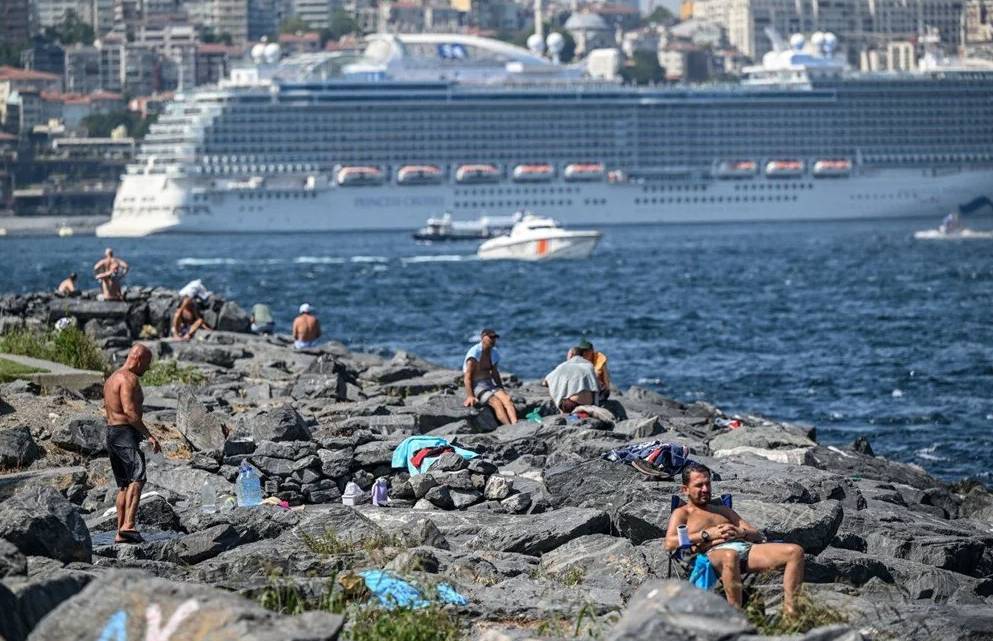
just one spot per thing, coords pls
(56, 374)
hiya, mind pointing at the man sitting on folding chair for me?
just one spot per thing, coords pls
(731, 544)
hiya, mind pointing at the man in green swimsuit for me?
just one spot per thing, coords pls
(730, 542)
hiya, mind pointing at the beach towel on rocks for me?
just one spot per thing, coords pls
(703, 575)
(405, 451)
(666, 458)
(394, 592)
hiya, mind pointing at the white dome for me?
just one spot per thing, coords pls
(797, 41)
(555, 42)
(830, 40)
(587, 21)
(271, 53)
(258, 51)
(535, 44)
(817, 39)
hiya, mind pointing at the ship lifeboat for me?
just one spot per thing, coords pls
(359, 176)
(833, 168)
(419, 175)
(470, 174)
(583, 172)
(533, 173)
(784, 168)
(737, 169)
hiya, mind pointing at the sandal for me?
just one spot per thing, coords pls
(130, 536)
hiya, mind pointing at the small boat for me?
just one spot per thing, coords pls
(784, 168)
(64, 231)
(583, 172)
(359, 176)
(540, 173)
(537, 238)
(737, 169)
(419, 175)
(951, 228)
(445, 228)
(837, 168)
(3, 231)
(473, 174)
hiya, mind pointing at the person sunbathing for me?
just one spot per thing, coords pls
(731, 544)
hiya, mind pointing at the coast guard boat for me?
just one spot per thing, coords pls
(537, 238)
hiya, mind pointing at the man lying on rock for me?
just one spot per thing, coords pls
(729, 541)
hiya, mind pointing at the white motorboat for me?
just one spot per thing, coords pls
(952, 229)
(539, 238)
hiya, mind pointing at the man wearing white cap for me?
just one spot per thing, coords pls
(306, 328)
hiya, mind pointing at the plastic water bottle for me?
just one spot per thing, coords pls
(380, 492)
(208, 497)
(248, 487)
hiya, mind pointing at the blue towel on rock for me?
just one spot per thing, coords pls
(410, 445)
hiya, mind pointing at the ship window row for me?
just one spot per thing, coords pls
(496, 191)
(277, 195)
(776, 186)
(514, 203)
(715, 199)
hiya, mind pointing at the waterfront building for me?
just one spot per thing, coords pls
(52, 13)
(43, 55)
(264, 18)
(589, 31)
(15, 21)
(82, 74)
(428, 123)
(14, 80)
(213, 62)
(315, 13)
(296, 43)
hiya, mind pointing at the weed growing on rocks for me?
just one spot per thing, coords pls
(808, 616)
(574, 576)
(586, 625)
(70, 346)
(328, 543)
(287, 598)
(373, 623)
(170, 371)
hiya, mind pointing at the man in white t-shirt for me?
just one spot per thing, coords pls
(482, 380)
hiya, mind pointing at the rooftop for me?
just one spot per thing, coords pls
(16, 73)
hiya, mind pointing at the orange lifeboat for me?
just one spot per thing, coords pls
(784, 168)
(583, 172)
(832, 168)
(470, 174)
(737, 169)
(419, 175)
(359, 176)
(534, 173)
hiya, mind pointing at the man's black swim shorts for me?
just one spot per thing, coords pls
(126, 458)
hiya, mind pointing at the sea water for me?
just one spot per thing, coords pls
(853, 327)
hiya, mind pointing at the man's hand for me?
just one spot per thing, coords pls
(469, 401)
(156, 448)
(722, 533)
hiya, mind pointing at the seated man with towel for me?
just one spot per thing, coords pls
(572, 384)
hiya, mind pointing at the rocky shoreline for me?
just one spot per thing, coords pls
(543, 537)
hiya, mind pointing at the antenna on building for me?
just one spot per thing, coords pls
(539, 23)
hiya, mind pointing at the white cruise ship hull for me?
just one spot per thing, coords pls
(149, 204)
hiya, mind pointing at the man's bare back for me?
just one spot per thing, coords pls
(123, 398)
(306, 327)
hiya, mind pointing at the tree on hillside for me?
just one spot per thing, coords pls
(71, 30)
(294, 24)
(660, 15)
(342, 24)
(208, 36)
(100, 125)
(643, 69)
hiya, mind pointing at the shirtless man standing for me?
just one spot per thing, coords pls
(122, 400)
(110, 271)
(306, 328)
(730, 542)
(482, 379)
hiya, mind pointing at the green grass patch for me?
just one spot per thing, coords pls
(328, 543)
(808, 616)
(164, 372)
(574, 576)
(70, 346)
(11, 371)
(287, 598)
(586, 624)
(373, 623)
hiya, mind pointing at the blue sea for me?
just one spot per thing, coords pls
(853, 327)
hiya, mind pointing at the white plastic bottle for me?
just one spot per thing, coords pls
(208, 497)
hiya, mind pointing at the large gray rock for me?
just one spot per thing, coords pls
(543, 532)
(336, 463)
(12, 561)
(600, 560)
(162, 609)
(17, 447)
(331, 386)
(767, 437)
(203, 352)
(677, 610)
(278, 424)
(83, 434)
(810, 526)
(40, 521)
(203, 430)
(206, 544)
(227, 317)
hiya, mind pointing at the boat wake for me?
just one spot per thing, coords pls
(439, 258)
(963, 234)
(206, 262)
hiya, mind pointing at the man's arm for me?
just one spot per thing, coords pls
(317, 326)
(746, 531)
(131, 405)
(495, 374)
(671, 534)
(296, 329)
(469, 366)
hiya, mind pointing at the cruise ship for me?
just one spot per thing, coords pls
(420, 124)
